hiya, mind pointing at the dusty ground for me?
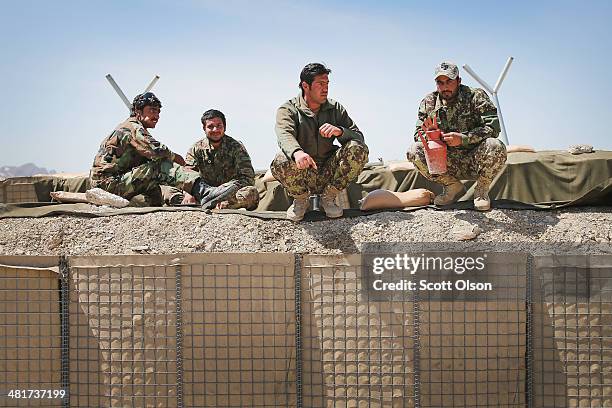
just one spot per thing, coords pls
(583, 230)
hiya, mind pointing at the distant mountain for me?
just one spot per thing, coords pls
(25, 170)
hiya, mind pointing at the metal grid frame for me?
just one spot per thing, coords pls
(31, 338)
(124, 336)
(239, 335)
(572, 339)
(356, 352)
(314, 336)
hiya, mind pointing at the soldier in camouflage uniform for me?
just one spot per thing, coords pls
(223, 161)
(470, 126)
(131, 162)
(309, 162)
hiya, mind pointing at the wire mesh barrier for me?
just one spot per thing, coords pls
(239, 331)
(283, 330)
(355, 352)
(573, 331)
(30, 337)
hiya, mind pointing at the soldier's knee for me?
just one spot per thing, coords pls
(415, 152)
(358, 151)
(495, 145)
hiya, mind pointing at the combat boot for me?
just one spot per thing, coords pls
(328, 202)
(450, 194)
(298, 208)
(208, 196)
(481, 195)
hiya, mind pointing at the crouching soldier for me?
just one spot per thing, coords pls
(131, 162)
(309, 162)
(222, 162)
(470, 126)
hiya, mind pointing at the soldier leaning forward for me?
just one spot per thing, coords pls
(309, 161)
(470, 126)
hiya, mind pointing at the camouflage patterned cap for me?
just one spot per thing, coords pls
(447, 69)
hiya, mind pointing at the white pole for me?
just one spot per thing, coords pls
(504, 135)
(119, 92)
(493, 92)
(152, 84)
(502, 76)
(478, 79)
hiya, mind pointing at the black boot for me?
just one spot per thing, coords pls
(208, 196)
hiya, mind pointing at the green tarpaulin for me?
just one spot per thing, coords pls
(543, 180)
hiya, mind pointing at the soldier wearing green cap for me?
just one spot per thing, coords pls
(131, 162)
(470, 126)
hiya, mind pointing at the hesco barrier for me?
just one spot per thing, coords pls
(284, 330)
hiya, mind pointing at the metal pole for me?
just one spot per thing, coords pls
(504, 135)
(478, 79)
(502, 76)
(152, 84)
(119, 92)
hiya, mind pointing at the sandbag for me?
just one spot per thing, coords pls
(380, 199)
(67, 197)
(519, 148)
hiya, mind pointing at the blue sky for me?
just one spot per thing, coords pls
(244, 58)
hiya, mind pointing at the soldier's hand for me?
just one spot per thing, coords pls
(178, 159)
(303, 160)
(327, 130)
(453, 138)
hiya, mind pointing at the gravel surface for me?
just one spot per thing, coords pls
(580, 230)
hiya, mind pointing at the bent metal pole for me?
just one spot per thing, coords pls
(124, 98)
(493, 91)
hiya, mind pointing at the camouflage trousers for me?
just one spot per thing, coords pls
(245, 197)
(345, 165)
(484, 161)
(147, 178)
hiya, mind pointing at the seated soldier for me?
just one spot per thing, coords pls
(470, 126)
(222, 161)
(131, 162)
(309, 161)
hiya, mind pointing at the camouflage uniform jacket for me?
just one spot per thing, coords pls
(471, 113)
(128, 146)
(297, 128)
(229, 162)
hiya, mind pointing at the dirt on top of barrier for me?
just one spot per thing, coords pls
(583, 230)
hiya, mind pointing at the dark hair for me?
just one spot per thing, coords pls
(310, 71)
(213, 113)
(145, 99)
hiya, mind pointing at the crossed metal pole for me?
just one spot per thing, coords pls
(493, 91)
(124, 98)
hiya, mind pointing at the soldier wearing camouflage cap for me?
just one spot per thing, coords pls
(470, 126)
(222, 161)
(131, 162)
(309, 161)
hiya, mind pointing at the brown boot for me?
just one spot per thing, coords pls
(328, 202)
(298, 208)
(481, 195)
(450, 194)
